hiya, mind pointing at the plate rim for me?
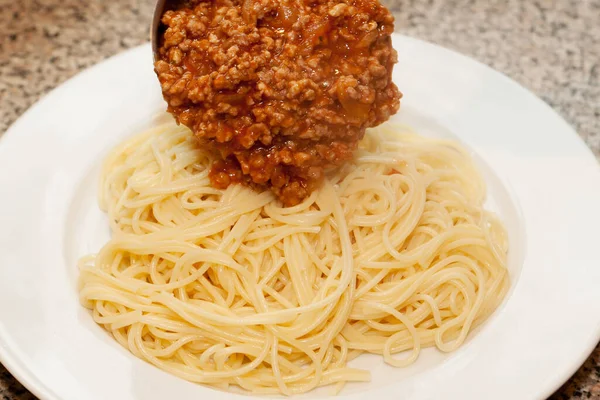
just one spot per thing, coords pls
(38, 387)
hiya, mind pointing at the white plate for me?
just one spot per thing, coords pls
(542, 179)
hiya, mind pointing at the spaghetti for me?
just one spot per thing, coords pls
(228, 287)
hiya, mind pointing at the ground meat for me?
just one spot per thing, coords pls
(281, 89)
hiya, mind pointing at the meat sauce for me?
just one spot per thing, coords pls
(280, 89)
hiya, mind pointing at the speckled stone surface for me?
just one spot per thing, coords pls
(552, 47)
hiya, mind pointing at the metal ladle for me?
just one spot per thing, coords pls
(159, 9)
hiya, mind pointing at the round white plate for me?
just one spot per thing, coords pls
(543, 182)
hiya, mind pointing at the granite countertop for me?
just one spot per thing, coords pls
(549, 46)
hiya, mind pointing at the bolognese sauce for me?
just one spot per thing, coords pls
(281, 89)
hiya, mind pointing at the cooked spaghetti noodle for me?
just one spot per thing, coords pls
(228, 287)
